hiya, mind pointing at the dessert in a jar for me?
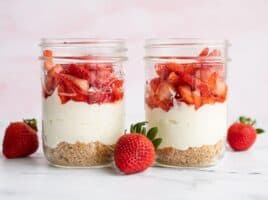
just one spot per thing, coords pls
(83, 100)
(185, 98)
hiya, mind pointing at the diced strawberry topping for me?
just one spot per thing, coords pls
(173, 78)
(154, 83)
(64, 93)
(186, 94)
(79, 70)
(197, 98)
(204, 90)
(84, 82)
(215, 52)
(162, 70)
(212, 81)
(164, 91)
(74, 83)
(196, 83)
(49, 86)
(160, 95)
(175, 67)
(117, 93)
(204, 52)
(50, 82)
(47, 53)
(220, 90)
(166, 104)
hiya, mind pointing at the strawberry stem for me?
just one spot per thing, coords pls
(32, 123)
(259, 131)
(249, 121)
(150, 134)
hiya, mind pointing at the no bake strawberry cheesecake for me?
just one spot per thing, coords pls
(83, 110)
(186, 100)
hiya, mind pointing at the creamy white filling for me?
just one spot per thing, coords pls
(183, 126)
(81, 122)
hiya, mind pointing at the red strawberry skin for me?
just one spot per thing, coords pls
(20, 140)
(79, 71)
(241, 136)
(134, 153)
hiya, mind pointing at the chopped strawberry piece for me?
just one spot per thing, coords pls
(50, 80)
(173, 79)
(212, 81)
(55, 70)
(48, 64)
(191, 68)
(154, 83)
(152, 101)
(162, 70)
(47, 53)
(164, 91)
(186, 94)
(215, 52)
(63, 92)
(197, 99)
(49, 86)
(106, 67)
(208, 100)
(166, 104)
(161, 96)
(76, 83)
(204, 73)
(117, 83)
(175, 67)
(104, 76)
(204, 90)
(192, 81)
(79, 71)
(80, 97)
(221, 88)
(118, 94)
(72, 87)
(204, 52)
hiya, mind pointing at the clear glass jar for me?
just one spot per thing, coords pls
(83, 100)
(185, 97)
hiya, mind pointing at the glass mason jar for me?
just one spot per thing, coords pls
(185, 97)
(83, 100)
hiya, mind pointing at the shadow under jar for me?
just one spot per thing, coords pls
(83, 100)
(185, 97)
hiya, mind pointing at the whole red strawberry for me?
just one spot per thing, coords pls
(242, 135)
(20, 139)
(135, 152)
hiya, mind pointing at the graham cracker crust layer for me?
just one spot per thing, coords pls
(192, 157)
(80, 154)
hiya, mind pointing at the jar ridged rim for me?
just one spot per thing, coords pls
(171, 42)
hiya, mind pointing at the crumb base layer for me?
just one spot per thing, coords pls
(206, 155)
(80, 155)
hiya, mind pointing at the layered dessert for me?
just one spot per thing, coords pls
(83, 111)
(186, 100)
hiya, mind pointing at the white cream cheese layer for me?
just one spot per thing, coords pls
(81, 122)
(183, 126)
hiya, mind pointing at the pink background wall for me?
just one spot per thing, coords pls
(23, 23)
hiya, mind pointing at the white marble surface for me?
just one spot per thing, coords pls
(239, 175)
